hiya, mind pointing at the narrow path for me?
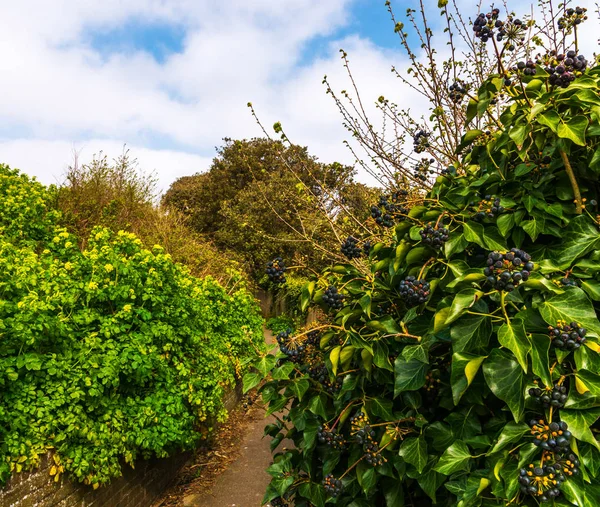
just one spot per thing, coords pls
(244, 482)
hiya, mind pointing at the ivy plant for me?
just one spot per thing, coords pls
(462, 365)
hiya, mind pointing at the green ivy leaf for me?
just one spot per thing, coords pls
(512, 335)
(317, 405)
(414, 452)
(250, 381)
(385, 324)
(409, 375)
(504, 376)
(571, 306)
(579, 422)
(299, 388)
(461, 303)
(464, 368)
(455, 458)
(505, 223)
(539, 357)
(512, 432)
(579, 238)
(471, 333)
(574, 129)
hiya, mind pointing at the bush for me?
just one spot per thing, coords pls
(114, 352)
(462, 370)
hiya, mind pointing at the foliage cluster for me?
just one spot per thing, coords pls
(118, 195)
(262, 199)
(433, 383)
(109, 353)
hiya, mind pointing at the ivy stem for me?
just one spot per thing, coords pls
(350, 469)
(424, 266)
(574, 185)
(342, 413)
(503, 305)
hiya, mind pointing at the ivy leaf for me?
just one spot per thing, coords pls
(380, 407)
(592, 289)
(414, 452)
(455, 458)
(504, 376)
(539, 357)
(461, 302)
(550, 119)
(313, 492)
(505, 223)
(317, 405)
(250, 381)
(471, 333)
(385, 324)
(455, 244)
(512, 432)
(393, 492)
(512, 335)
(574, 129)
(574, 491)
(299, 388)
(366, 475)
(409, 375)
(579, 422)
(580, 237)
(306, 295)
(591, 382)
(464, 368)
(265, 364)
(571, 306)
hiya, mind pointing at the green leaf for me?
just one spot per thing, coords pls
(579, 238)
(590, 380)
(455, 244)
(250, 381)
(575, 493)
(473, 233)
(265, 364)
(471, 334)
(512, 432)
(591, 288)
(504, 376)
(512, 335)
(313, 492)
(299, 387)
(393, 492)
(574, 129)
(461, 303)
(414, 452)
(571, 306)
(519, 134)
(317, 405)
(579, 422)
(471, 110)
(455, 458)
(385, 324)
(306, 296)
(550, 119)
(380, 407)
(366, 475)
(464, 368)
(283, 372)
(539, 358)
(409, 375)
(505, 223)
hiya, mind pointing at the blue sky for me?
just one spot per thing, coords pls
(171, 79)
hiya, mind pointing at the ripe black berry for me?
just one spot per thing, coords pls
(389, 210)
(489, 207)
(421, 141)
(422, 170)
(555, 397)
(434, 236)
(333, 298)
(413, 291)
(331, 438)
(542, 483)
(505, 271)
(457, 92)
(276, 270)
(290, 345)
(332, 486)
(567, 336)
(554, 437)
(350, 248)
(373, 455)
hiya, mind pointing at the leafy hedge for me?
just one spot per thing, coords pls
(433, 384)
(111, 353)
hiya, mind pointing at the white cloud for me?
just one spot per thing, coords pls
(62, 92)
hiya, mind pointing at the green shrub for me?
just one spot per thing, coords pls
(111, 352)
(447, 359)
(280, 323)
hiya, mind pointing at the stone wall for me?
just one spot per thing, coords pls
(138, 487)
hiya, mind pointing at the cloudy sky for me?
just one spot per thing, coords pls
(171, 78)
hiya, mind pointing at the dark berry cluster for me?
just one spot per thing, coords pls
(569, 282)
(572, 17)
(332, 386)
(278, 502)
(350, 248)
(550, 397)
(333, 298)
(569, 465)
(313, 337)
(485, 25)
(484, 138)
(331, 438)
(527, 68)
(373, 455)
(358, 420)
(434, 235)
(489, 207)
(554, 437)
(563, 69)
(413, 291)
(541, 482)
(421, 141)
(457, 92)
(290, 345)
(319, 372)
(276, 270)
(367, 248)
(567, 336)
(506, 271)
(422, 169)
(389, 210)
(333, 486)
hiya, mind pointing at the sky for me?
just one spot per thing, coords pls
(169, 79)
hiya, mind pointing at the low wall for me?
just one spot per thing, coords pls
(138, 487)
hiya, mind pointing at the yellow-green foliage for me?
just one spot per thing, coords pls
(111, 352)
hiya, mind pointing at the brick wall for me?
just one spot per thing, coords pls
(137, 487)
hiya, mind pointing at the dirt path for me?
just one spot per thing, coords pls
(231, 473)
